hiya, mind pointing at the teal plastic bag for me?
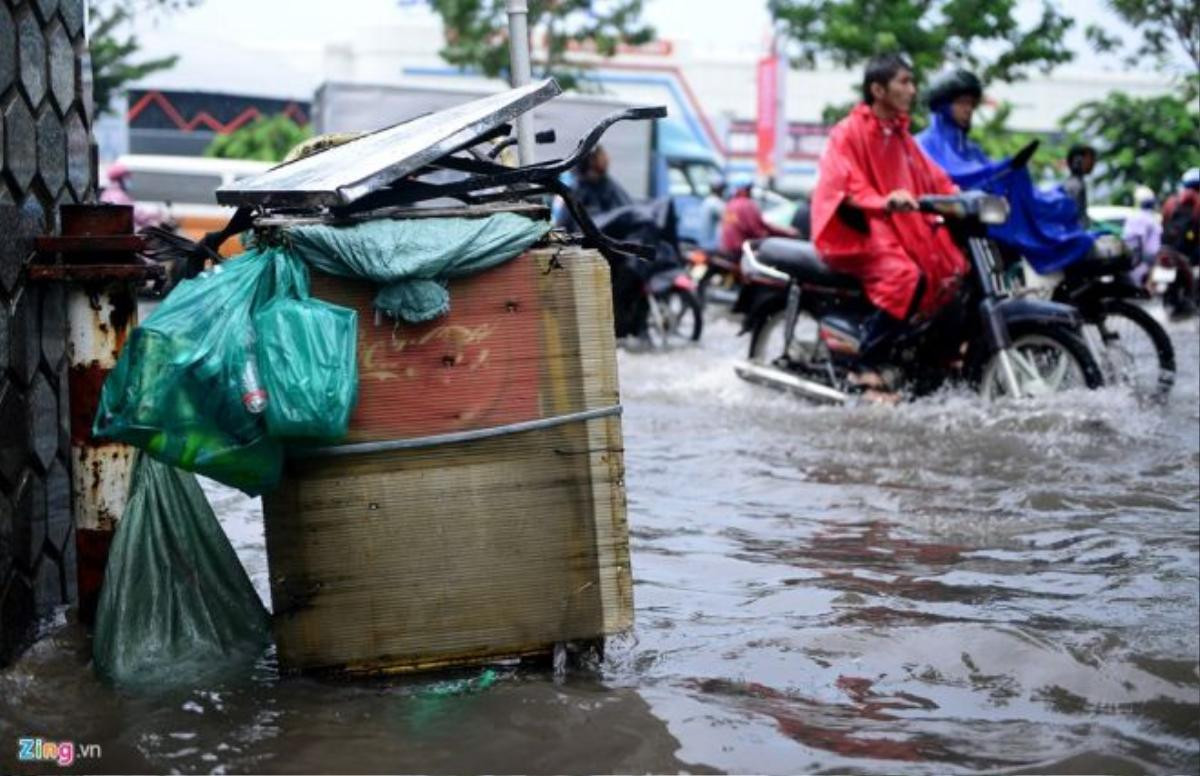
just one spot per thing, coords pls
(179, 389)
(308, 360)
(177, 607)
(413, 260)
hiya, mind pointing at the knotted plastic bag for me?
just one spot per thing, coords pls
(308, 360)
(177, 607)
(178, 390)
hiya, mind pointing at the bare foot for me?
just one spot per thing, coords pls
(866, 379)
(886, 398)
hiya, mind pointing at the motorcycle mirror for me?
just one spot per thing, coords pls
(1025, 154)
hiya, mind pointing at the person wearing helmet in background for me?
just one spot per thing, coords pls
(1081, 159)
(117, 193)
(744, 221)
(1181, 243)
(1042, 226)
(712, 210)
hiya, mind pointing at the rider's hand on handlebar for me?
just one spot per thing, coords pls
(900, 201)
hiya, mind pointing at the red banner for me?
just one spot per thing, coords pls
(768, 121)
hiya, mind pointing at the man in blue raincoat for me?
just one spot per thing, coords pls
(1043, 226)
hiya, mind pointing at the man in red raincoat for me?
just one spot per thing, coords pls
(864, 209)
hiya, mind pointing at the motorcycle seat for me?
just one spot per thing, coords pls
(800, 259)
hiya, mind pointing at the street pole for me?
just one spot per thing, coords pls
(518, 50)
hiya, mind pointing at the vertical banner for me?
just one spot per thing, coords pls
(783, 140)
(767, 124)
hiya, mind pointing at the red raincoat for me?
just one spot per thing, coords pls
(866, 160)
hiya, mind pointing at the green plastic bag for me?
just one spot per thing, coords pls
(178, 390)
(309, 365)
(413, 260)
(177, 607)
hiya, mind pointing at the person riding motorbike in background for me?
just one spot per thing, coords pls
(712, 211)
(1142, 231)
(593, 188)
(1043, 226)
(1081, 159)
(865, 217)
(1181, 243)
(117, 193)
(744, 221)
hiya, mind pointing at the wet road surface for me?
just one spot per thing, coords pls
(944, 587)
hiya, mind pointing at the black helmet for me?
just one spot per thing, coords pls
(948, 87)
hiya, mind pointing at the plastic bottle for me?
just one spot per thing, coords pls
(254, 396)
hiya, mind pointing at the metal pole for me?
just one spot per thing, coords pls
(518, 51)
(101, 270)
(100, 316)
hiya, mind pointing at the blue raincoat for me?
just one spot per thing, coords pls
(1042, 225)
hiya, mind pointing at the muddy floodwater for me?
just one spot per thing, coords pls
(943, 587)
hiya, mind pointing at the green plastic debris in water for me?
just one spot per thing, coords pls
(177, 607)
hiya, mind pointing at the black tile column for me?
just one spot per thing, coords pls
(45, 161)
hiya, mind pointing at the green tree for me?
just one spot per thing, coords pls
(264, 140)
(982, 35)
(113, 50)
(1148, 141)
(990, 130)
(477, 32)
(1162, 24)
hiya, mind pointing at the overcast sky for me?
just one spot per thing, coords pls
(293, 33)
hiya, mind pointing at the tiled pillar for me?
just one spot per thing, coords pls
(45, 159)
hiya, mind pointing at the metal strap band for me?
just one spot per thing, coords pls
(458, 436)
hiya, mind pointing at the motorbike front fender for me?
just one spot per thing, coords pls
(1019, 310)
(1094, 291)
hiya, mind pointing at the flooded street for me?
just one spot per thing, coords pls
(944, 587)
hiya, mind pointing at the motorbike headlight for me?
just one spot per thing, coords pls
(993, 209)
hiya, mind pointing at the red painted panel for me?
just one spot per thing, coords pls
(476, 367)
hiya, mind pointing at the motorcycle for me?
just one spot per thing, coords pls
(806, 323)
(654, 300)
(1130, 345)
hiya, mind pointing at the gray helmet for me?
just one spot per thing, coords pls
(949, 86)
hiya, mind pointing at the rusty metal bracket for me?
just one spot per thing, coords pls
(93, 272)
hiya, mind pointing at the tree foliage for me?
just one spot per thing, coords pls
(981, 35)
(1149, 141)
(1162, 25)
(113, 51)
(264, 140)
(477, 32)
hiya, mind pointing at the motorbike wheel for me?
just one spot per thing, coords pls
(767, 339)
(1136, 350)
(675, 318)
(1046, 359)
